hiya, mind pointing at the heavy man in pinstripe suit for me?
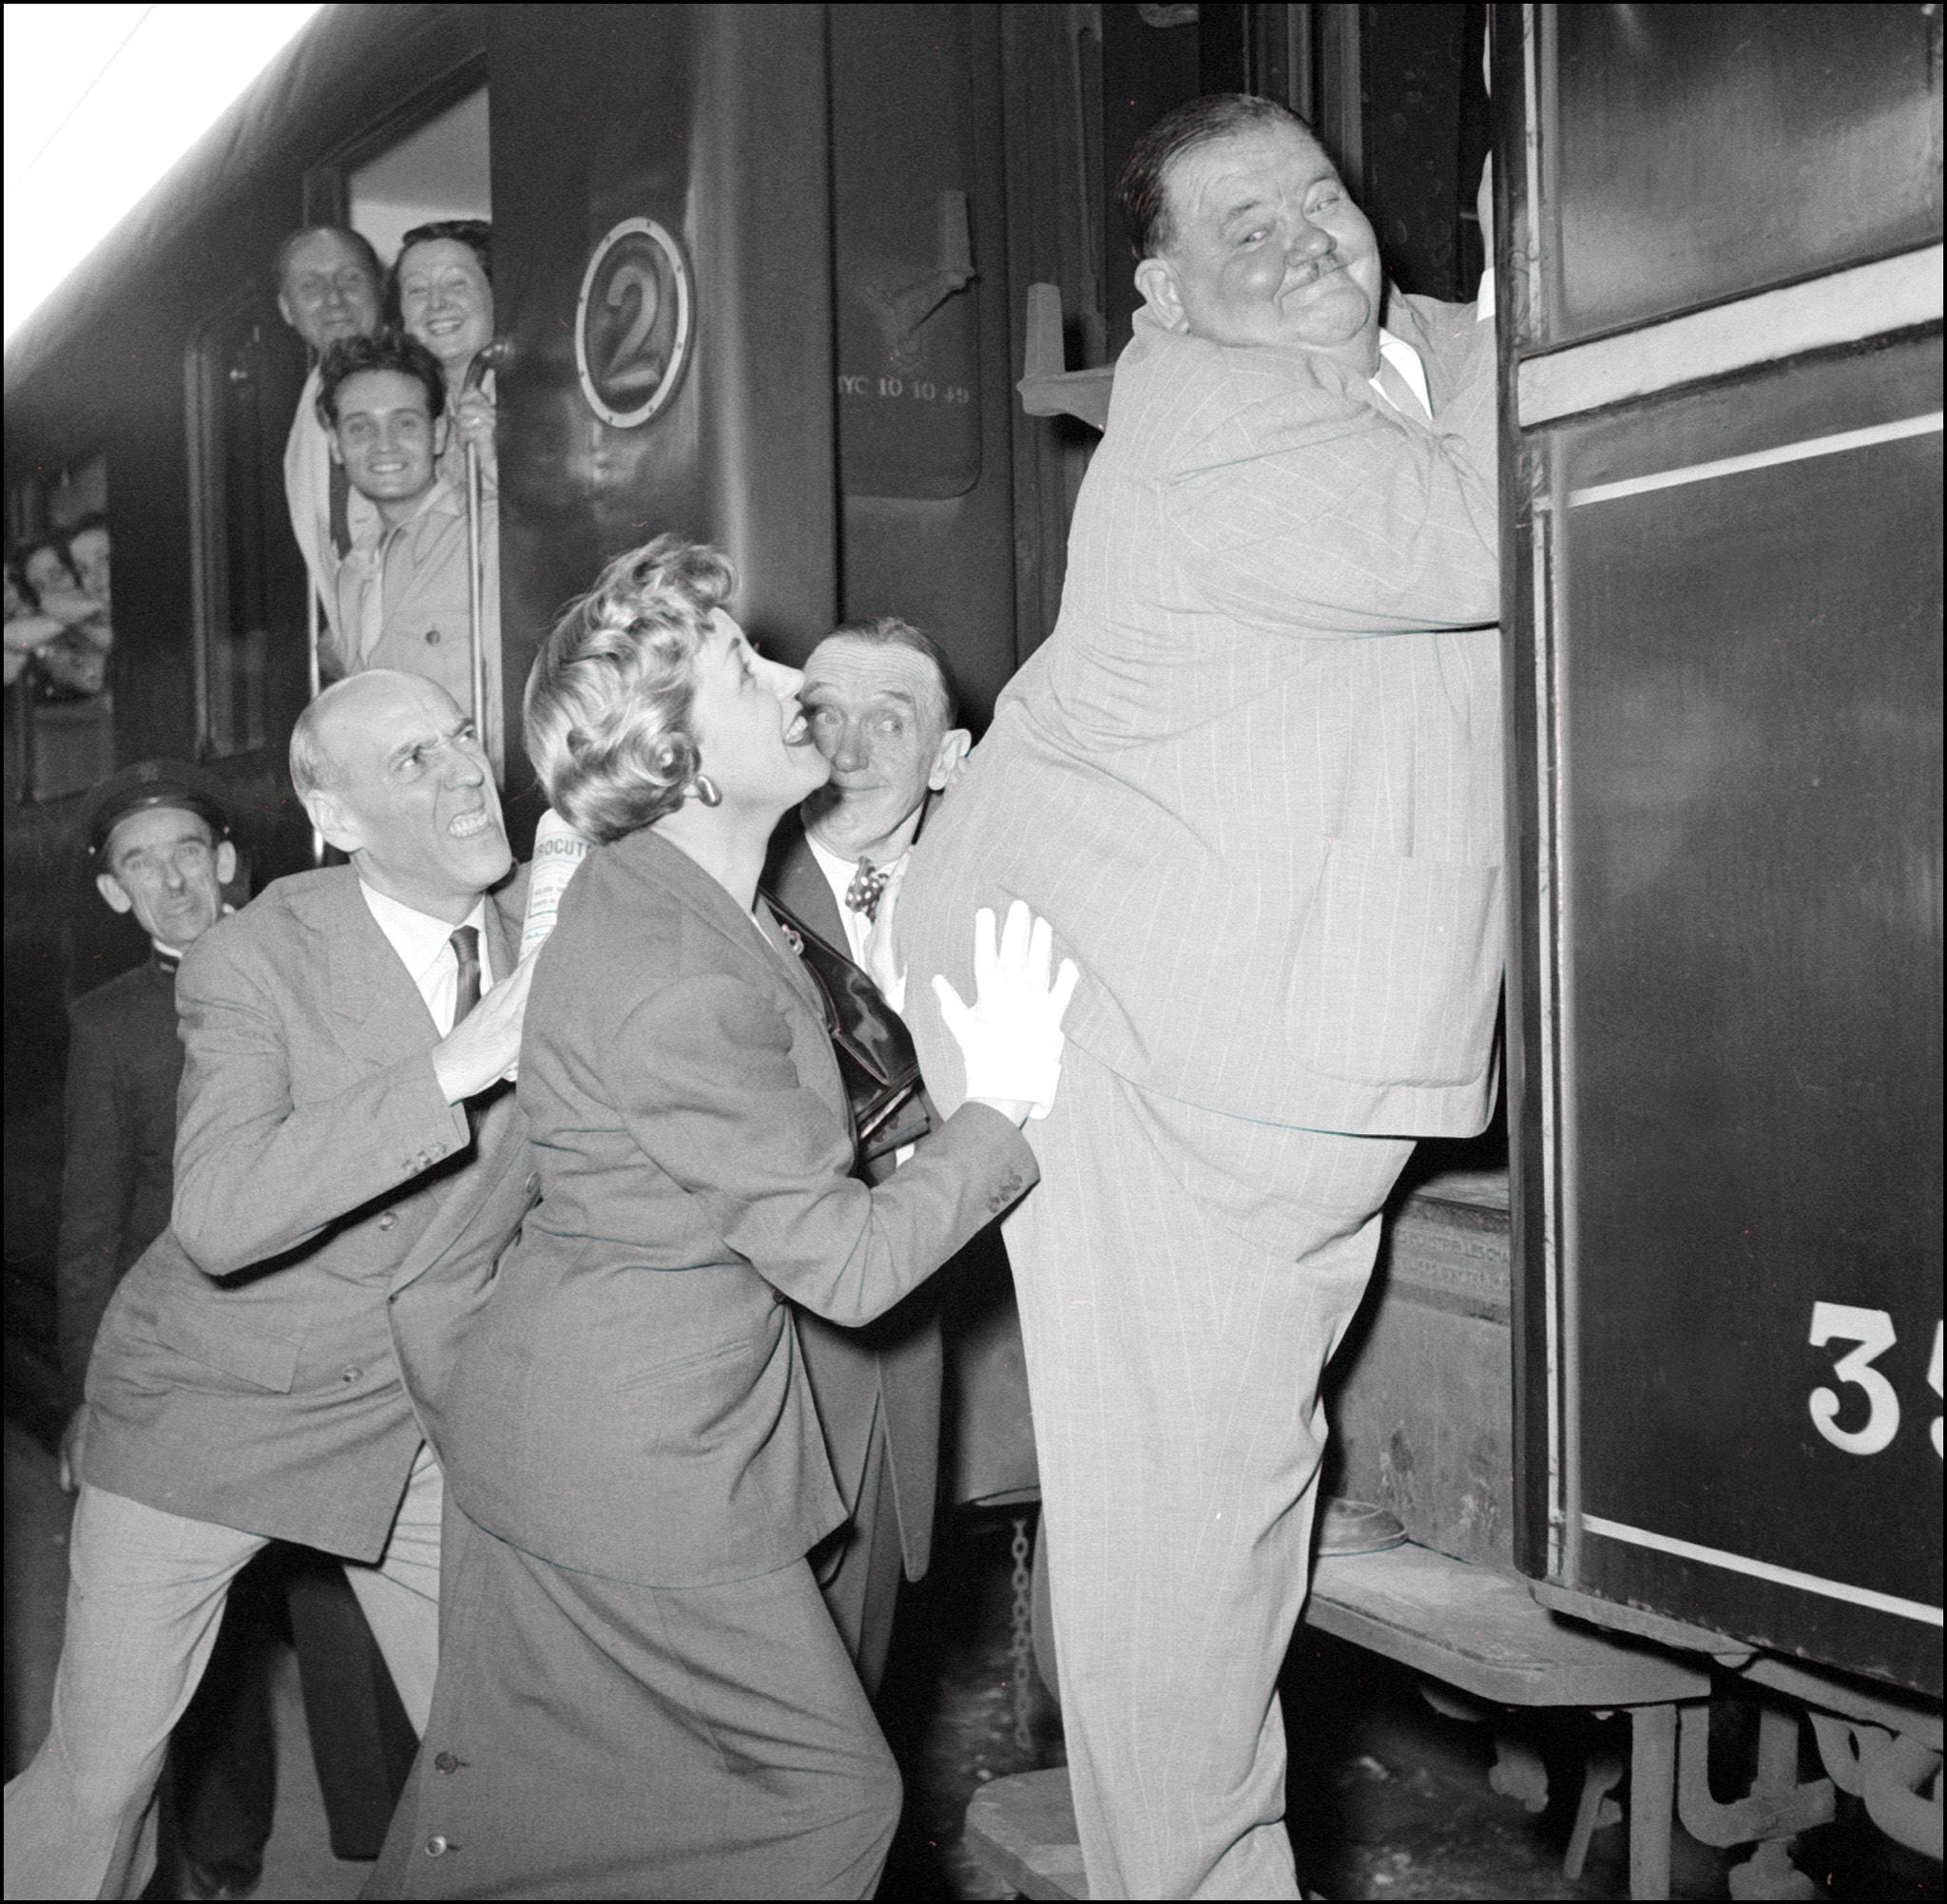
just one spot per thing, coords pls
(1254, 780)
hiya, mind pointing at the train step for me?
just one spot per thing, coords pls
(1481, 1632)
(1464, 1625)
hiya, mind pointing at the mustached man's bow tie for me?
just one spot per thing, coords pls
(868, 883)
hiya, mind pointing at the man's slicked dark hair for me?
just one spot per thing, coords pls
(356, 240)
(388, 349)
(1141, 192)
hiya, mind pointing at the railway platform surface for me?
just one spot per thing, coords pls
(1389, 1798)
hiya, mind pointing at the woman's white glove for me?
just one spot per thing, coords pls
(1011, 1035)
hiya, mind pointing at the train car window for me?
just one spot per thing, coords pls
(245, 373)
(60, 632)
(439, 170)
(1631, 236)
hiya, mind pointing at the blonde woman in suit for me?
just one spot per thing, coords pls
(641, 1693)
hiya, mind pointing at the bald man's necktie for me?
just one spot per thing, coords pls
(466, 949)
(868, 883)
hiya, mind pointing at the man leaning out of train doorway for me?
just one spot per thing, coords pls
(405, 596)
(328, 282)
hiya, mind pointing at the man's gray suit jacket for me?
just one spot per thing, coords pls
(274, 1360)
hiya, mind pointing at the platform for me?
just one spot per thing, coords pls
(1475, 1630)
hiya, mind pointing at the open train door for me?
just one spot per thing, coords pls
(1721, 273)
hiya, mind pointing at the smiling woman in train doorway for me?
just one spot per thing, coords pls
(441, 292)
(641, 1691)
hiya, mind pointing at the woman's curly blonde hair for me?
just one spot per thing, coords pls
(608, 700)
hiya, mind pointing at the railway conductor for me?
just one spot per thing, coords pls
(1254, 780)
(349, 1166)
(158, 843)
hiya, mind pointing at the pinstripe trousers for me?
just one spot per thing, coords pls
(1182, 1278)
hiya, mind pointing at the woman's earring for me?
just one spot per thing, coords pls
(705, 789)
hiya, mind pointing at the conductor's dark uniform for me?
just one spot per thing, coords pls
(123, 1064)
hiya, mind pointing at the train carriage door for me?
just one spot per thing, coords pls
(1722, 273)
(663, 276)
(244, 373)
(439, 169)
(924, 398)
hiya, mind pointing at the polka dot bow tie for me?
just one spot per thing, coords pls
(863, 896)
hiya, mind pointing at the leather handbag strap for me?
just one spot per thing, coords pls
(876, 1059)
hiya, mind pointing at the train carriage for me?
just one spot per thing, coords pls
(770, 276)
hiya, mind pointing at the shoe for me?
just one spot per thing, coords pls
(1357, 1526)
(204, 1882)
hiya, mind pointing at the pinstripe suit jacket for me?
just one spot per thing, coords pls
(1254, 777)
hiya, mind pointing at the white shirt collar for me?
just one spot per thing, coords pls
(440, 499)
(421, 941)
(838, 871)
(839, 874)
(1405, 359)
(177, 953)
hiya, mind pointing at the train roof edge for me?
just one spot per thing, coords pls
(285, 102)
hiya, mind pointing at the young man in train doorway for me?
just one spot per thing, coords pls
(350, 1165)
(329, 288)
(882, 712)
(405, 593)
(1254, 780)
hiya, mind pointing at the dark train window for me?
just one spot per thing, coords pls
(244, 376)
(60, 635)
(1641, 225)
(438, 171)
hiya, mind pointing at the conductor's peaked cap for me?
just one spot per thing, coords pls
(152, 783)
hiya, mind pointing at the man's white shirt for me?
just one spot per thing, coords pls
(1405, 359)
(425, 947)
(307, 494)
(839, 876)
(859, 930)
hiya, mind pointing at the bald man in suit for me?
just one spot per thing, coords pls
(349, 1166)
(1254, 780)
(882, 712)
